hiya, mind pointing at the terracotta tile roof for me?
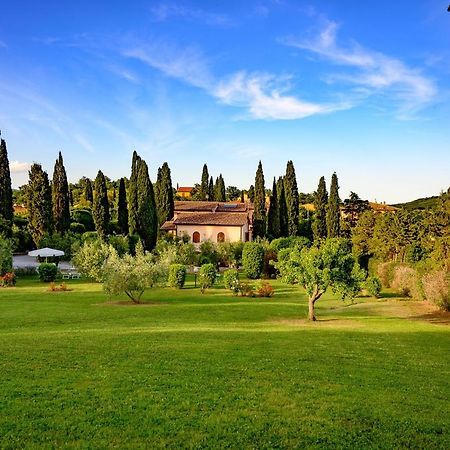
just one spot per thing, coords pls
(181, 206)
(168, 225)
(382, 207)
(211, 218)
(185, 189)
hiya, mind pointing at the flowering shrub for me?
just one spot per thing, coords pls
(177, 275)
(406, 282)
(231, 280)
(207, 276)
(8, 280)
(264, 289)
(385, 272)
(436, 286)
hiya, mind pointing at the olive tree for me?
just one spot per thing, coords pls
(316, 269)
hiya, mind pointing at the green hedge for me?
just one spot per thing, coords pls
(47, 271)
(253, 259)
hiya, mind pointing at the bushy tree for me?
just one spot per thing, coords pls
(253, 259)
(207, 276)
(333, 209)
(320, 205)
(316, 269)
(6, 256)
(60, 196)
(259, 212)
(122, 208)
(100, 207)
(292, 199)
(177, 275)
(39, 203)
(233, 193)
(6, 197)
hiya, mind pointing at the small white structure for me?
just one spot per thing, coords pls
(45, 252)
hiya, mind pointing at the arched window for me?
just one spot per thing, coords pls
(196, 237)
(220, 237)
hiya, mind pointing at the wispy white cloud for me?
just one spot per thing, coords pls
(165, 11)
(19, 167)
(263, 95)
(375, 71)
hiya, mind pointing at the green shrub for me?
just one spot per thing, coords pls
(6, 258)
(270, 257)
(253, 259)
(8, 280)
(120, 243)
(78, 228)
(89, 236)
(436, 286)
(83, 216)
(264, 289)
(207, 276)
(47, 272)
(385, 272)
(231, 280)
(208, 253)
(60, 242)
(177, 275)
(22, 240)
(373, 286)
(406, 282)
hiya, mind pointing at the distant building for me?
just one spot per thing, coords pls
(213, 221)
(184, 192)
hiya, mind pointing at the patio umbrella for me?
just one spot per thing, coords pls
(46, 252)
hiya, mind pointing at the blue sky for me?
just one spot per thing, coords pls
(360, 88)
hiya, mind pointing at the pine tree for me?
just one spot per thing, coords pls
(122, 208)
(39, 203)
(100, 206)
(282, 208)
(60, 197)
(273, 216)
(88, 191)
(146, 207)
(164, 194)
(320, 205)
(211, 196)
(333, 209)
(6, 197)
(259, 213)
(292, 200)
(132, 195)
(204, 185)
(219, 189)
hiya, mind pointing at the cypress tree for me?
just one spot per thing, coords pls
(211, 196)
(61, 197)
(273, 216)
(6, 197)
(100, 206)
(132, 195)
(39, 203)
(320, 205)
(219, 190)
(333, 210)
(88, 191)
(70, 197)
(122, 208)
(204, 185)
(259, 213)
(251, 193)
(292, 200)
(282, 208)
(146, 207)
(164, 194)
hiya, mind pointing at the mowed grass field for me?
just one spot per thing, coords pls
(185, 370)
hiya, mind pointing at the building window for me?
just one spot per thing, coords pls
(220, 237)
(196, 237)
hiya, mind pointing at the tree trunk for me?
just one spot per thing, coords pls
(311, 315)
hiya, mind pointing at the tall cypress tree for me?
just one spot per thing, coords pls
(292, 200)
(164, 194)
(259, 213)
(122, 208)
(273, 216)
(146, 207)
(211, 196)
(88, 191)
(282, 208)
(100, 206)
(320, 205)
(219, 189)
(6, 198)
(333, 209)
(39, 203)
(204, 185)
(132, 195)
(251, 194)
(61, 197)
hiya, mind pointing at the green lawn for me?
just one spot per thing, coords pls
(215, 371)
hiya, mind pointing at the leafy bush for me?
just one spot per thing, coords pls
(207, 276)
(253, 259)
(176, 252)
(373, 286)
(246, 289)
(270, 257)
(385, 272)
(83, 216)
(120, 243)
(406, 282)
(231, 280)
(8, 280)
(264, 289)
(6, 258)
(436, 286)
(91, 258)
(208, 253)
(47, 272)
(78, 228)
(177, 275)
(229, 253)
(289, 242)
(22, 240)
(60, 242)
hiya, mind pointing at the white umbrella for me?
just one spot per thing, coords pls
(46, 252)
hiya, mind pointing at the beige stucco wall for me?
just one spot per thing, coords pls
(209, 232)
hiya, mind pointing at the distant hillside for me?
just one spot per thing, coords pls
(420, 203)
